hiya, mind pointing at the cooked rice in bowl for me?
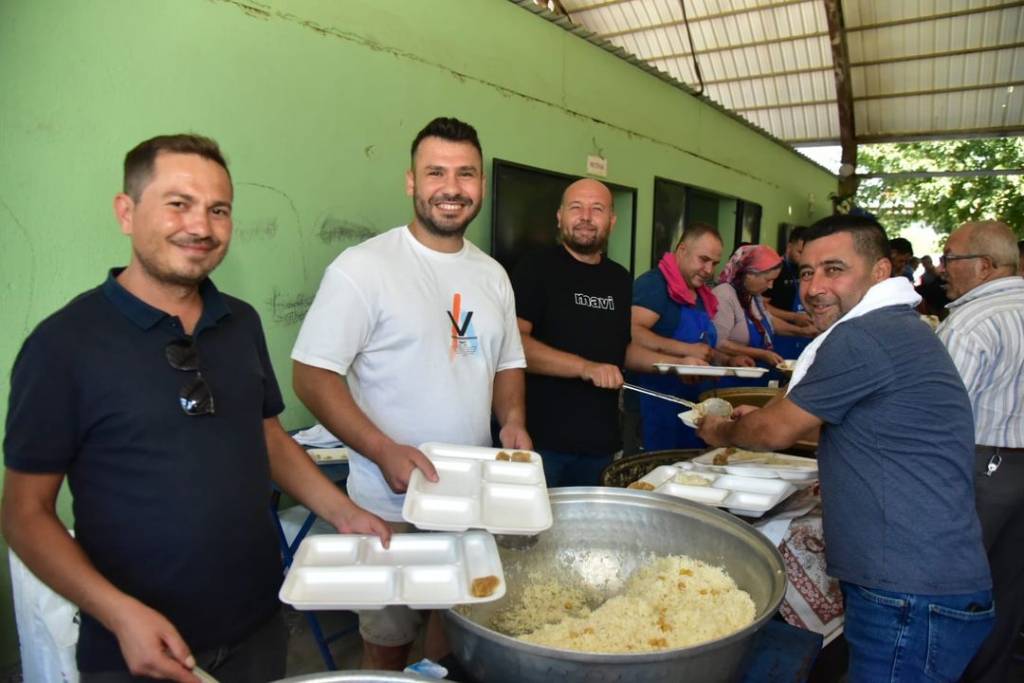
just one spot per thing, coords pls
(671, 602)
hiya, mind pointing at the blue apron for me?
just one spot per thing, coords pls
(661, 427)
(757, 341)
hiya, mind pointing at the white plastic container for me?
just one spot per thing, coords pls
(775, 465)
(476, 490)
(746, 496)
(709, 370)
(423, 571)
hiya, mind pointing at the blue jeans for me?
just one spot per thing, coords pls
(573, 469)
(907, 637)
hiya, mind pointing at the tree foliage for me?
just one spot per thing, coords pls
(943, 203)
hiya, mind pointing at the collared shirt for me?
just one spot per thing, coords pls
(170, 508)
(896, 457)
(985, 336)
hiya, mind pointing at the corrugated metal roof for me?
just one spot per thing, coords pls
(918, 68)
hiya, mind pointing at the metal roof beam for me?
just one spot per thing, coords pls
(703, 17)
(844, 97)
(599, 5)
(727, 48)
(920, 136)
(884, 96)
(940, 91)
(977, 173)
(764, 77)
(935, 17)
(866, 63)
(938, 55)
(785, 105)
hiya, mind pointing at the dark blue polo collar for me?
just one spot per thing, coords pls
(146, 317)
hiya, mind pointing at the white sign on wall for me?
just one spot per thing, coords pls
(597, 166)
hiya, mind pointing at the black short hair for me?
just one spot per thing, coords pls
(447, 128)
(797, 234)
(901, 245)
(138, 163)
(868, 235)
(697, 230)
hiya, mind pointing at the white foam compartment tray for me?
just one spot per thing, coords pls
(784, 466)
(709, 370)
(747, 496)
(423, 571)
(475, 490)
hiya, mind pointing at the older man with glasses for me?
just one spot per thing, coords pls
(175, 562)
(984, 334)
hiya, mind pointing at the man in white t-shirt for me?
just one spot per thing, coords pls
(412, 338)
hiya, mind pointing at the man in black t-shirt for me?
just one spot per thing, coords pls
(573, 308)
(783, 298)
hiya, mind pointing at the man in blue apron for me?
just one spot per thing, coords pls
(672, 311)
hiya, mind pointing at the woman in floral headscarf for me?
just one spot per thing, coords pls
(742, 320)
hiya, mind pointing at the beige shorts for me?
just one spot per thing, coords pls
(394, 625)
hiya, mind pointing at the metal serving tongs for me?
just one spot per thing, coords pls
(711, 406)
(657, 394)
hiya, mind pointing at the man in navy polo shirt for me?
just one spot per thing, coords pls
(154, 394)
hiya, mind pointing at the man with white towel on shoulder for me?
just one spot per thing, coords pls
(896, 458)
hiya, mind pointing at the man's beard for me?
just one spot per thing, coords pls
(595, 246)
(422, 208)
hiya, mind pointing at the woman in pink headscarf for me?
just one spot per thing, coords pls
(742, 320)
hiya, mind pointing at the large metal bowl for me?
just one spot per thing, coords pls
(600, 535)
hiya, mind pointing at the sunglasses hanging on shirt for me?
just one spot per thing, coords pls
(194, 396)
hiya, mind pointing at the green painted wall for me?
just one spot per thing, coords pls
(315, 103)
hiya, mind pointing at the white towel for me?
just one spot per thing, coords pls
(894, 291)
(317, 436)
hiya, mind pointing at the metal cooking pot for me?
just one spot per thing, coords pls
(600, 535)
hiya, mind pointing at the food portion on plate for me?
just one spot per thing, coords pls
(712, 406)
(786, 366)
(484, 586)
(690, 479)
(732, 456)
(514, 456)
(749, 463)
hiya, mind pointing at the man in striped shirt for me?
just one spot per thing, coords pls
(984, 334)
